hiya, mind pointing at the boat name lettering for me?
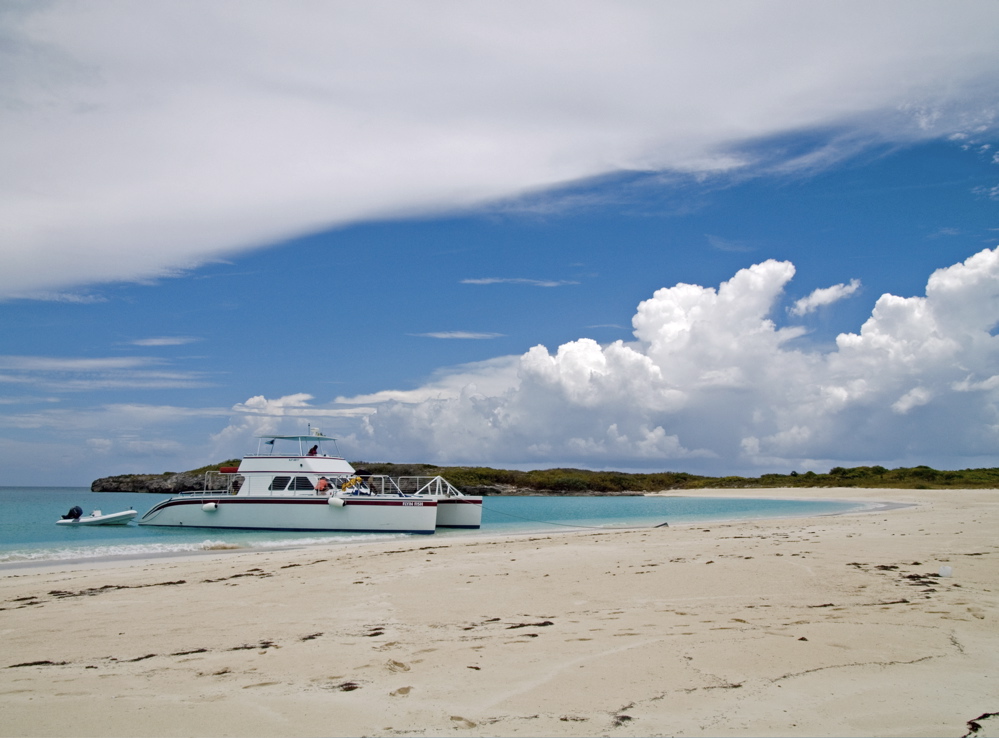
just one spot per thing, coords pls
(414, 503)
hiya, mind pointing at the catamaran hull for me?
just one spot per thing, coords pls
(371, 515)
(459, 512)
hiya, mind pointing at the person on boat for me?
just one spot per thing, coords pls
(322, 485)
(314, 450)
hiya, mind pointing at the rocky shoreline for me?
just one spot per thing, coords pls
(153, 483)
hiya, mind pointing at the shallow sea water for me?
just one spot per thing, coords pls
(28, 532)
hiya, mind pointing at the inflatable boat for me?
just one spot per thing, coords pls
(76, 517)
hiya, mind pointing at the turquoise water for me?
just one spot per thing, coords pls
(28, 531)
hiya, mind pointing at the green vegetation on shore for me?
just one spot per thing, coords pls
(485, 480)
(581, 481)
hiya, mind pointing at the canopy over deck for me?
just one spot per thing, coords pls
(266, 444)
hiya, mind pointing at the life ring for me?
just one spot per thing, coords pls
(350, 483)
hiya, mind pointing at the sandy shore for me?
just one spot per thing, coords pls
(811, 626)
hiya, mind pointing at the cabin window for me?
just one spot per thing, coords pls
(302, 483)
(279, 483)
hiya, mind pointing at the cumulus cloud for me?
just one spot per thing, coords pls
(824, 296)
(196, 129)
(711, 381)
(298, 405)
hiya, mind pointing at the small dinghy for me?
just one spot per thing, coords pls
(76, 517)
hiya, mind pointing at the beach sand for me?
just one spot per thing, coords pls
(817, 626)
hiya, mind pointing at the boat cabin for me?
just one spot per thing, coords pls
(288, 466)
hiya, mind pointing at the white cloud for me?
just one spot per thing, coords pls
(25, 400)
(198, 129)
(125, 418)
(70, 297)
(520, 280)
(287, 405)
(727, 244)
(165, 341)
(824, 296)
(74, 445)
(459, 335)
(58, 364)
(915, 397)
(291, 414)
(73, 374)
(712, 382)
(491, 377)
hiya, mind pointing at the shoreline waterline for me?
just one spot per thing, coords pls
(206, 542)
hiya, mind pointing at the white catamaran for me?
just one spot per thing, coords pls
(292, 483)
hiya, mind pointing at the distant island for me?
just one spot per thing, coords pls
(487, 481)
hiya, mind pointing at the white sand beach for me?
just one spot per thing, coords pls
(823, 626)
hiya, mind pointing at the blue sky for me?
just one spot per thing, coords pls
(504, 254)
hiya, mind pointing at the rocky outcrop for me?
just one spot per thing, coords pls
(157, 483)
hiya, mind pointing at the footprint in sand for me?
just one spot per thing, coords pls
(397, 666)
(401, 692)
(461, 722)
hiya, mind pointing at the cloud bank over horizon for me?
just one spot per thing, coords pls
(141, 140)
(710, 382)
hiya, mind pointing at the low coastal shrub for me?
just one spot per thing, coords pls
(486, 480)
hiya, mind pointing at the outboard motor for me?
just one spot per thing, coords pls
(74, 513)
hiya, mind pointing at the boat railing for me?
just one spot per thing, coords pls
(428, 487)
(229, 483)
(275, 454)
(380, 484)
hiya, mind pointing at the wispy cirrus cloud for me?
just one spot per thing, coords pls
(520, 280)
(123, 418)
(729, 244)
(74, 364)
(26, 400)
(75, 298)
(468, 335)
(75, 374)
(165, 341)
